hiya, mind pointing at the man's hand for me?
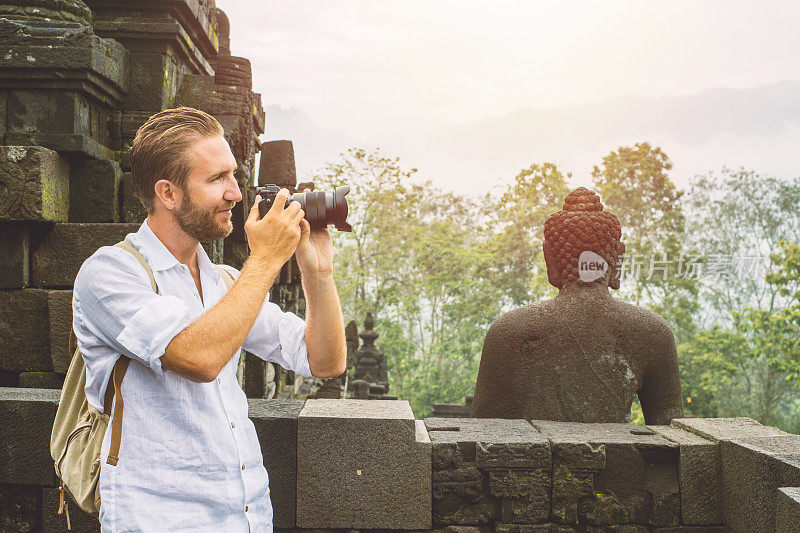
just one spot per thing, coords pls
(314, 251)
(277, 234)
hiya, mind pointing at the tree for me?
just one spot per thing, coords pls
(737, 220)
(416, 259)
(746, 361)
(518, 232)
(634, 185)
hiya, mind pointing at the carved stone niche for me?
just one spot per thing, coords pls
(186, 28)
(61, 85)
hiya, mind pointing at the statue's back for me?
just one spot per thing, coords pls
(577, 359)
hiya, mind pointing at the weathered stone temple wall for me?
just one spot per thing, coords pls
(77, 79)
(345, 465)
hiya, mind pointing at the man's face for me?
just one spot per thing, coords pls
(211, 191)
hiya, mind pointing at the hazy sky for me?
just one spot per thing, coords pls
(364, 67)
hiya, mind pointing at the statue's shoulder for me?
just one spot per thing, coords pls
(526, 318)
(643, 321)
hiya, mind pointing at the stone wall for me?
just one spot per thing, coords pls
(345, 465)
(77, 79)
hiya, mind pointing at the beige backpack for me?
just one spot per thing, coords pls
(79, 428)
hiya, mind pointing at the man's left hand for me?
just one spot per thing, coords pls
(315, 250)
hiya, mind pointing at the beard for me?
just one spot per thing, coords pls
(201, 224)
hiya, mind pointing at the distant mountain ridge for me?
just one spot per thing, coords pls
(757, 127)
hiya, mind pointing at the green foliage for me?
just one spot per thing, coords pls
(415, 258)
(518, 226)
(438, 268)
(633, 183)
(745, 359)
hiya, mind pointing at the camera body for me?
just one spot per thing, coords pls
(268, 194)
(321, 208)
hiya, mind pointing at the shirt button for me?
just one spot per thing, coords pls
(280, 347)
(233, 424)
(245, 508)
(242, 467)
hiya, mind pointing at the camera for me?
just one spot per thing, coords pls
(321, 208)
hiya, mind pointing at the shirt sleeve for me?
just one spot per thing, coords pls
(115, 305)
(278, 336)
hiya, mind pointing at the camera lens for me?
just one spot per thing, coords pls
(321, 209)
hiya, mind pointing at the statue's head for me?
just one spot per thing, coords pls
(581, 226)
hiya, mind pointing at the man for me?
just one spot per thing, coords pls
(190, 459)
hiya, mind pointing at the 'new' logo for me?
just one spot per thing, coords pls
(591, 266)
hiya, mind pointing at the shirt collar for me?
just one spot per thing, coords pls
(157, 254)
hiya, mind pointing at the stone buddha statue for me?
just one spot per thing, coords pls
(583, 355)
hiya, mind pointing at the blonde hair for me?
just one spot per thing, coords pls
(159, 148)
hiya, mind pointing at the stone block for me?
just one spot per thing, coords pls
(215, 250)
(621, 528)
(525, 510)
(571, 483)
(154, 80)
(41, 380)
(52, 522)
(462, 445)
(63, 143)
(753, 469)
(277, 164)
(699, 474)
(130, 122)
(489, 432)
(132, 208)
(579, 455)
(15, 259)
(186, 27)
(635, 475)
(57, 259)
(691, 529)
(9, 378)
(243, 140)
(466, 529)
(86, 63)
(606, 509)
(232, 70)
(24, 331)
(94, 190)
(533, 528)
(787, 509)
(362, 464)
(3, 101)
(259, 116)
(254, 378)
(235, 253)
(490, 455)
(35, 184)
(517, 483)
(229, 100)
(452, 506)
(564, 510)
(239, 214)
(20, 507)
(223, 32)
(276, 427)
(59, 304)
(721, 429)
(50, 112)
(25, 454)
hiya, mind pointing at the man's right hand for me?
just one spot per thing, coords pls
(276, 234)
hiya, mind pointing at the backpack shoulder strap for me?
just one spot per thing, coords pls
(128, 247)
(114, 387)
(227, 277)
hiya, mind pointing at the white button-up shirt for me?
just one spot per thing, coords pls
(189, 459)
